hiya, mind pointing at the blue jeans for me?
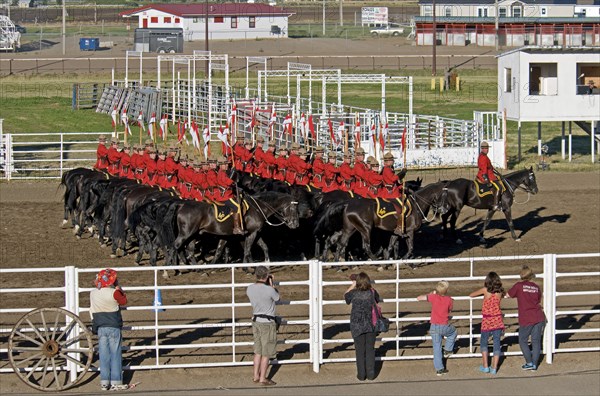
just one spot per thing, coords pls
(109, 349)
(535, 331)
(496, 335)
(438, 332)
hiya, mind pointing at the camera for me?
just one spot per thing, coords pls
(353, 277)
(270, 279)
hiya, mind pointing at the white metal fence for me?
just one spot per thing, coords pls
(207, 323)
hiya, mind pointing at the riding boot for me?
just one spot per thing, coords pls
(496, 205)
(237, 222)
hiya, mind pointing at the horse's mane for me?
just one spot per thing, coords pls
(516, 172)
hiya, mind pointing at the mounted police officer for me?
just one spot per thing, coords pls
(487, 173)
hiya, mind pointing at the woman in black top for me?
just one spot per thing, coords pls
(361, 295)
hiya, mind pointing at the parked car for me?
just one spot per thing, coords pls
(391, 29)
(21, 29)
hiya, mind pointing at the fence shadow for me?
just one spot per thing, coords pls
(572, 323)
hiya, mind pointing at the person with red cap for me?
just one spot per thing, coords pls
(106, 301)
(101, 154)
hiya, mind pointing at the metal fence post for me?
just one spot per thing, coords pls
(315, 315)
(62, 138)
(8, 167)
(71, 305)
(550, 305)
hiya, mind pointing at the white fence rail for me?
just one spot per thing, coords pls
(208, 322)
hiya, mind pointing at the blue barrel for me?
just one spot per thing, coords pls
(89, 44)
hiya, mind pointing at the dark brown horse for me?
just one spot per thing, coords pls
(361, 215)
(461, 192)
(195, 218)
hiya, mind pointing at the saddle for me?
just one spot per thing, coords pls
(390, 207)
(224, 210)
(485, 189)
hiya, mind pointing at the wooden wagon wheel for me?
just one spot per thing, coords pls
(44, 342)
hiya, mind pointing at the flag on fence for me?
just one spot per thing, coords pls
(180, 131)
(331, 134)
(383, 132)
(164, 125)
(113, 115)
(125, 120)
(287, 124)
(311, 126)
(152, 126)
(140, 121)
(232, 115)
(340, 133)
(357, 132)
(252, 122)
(195, 135)
(302, 126)
(206, 136)
(373, 137)
(272, 120)
(222, 135)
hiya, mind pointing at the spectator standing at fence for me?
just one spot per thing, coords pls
(263, 295)
(105, 302)
(492, 323)
(441, 306)
(362, 297)
(531, 317)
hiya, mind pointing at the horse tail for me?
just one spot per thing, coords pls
(168, 227)
(118, 213)
(329, 219)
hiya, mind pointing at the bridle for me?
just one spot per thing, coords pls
(276, 213)
(431, 204)
(526, 187)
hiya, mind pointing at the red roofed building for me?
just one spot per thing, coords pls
(225, 20)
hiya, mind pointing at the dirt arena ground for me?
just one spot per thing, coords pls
(563, 218)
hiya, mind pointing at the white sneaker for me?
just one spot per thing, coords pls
(104, 387)
(119, 387)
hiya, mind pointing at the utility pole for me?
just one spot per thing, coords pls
(323, 18)
(496, 5)
(205, 37)
(64, 28)
(433, 61)
(341, 13)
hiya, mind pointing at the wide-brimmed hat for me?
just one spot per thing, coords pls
(373, 161)
(359, 151)
(240, 135)
(272, 143)
(222, 161)
(302, 151)
(319, 149)
(260, 139)
(148, 142)
(114, 140)
(105, 278)
(127, 146)
(295, 146)
(102, 137)
(485, 145)
(388, 156)
(347, 155)
(151, 150)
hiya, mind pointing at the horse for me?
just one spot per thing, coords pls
(196, 218)
(361, 215)
(461, 192)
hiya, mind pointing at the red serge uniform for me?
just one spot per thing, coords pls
(258, 157)
(137, 165)
(247, 164)
(171, 168)
(211, 185)
(360, 185)
(224, 184)
(198, 181)
(318, 167)
(113, 161)
(186, 179)
(281, 168)
(373, 180)
(268, 164)
(345, 177)
(485, 168)
(150, 173)
(391, 188)
(125, 162)
(329, 182)
(101, 157)
(292, 164)
(302, 172)
(160, 172)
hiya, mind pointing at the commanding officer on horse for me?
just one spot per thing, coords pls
(487, 173)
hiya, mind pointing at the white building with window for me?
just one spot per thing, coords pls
(225, 20)
(538, 84)
(506, 8)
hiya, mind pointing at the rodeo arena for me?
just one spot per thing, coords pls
(197, 182)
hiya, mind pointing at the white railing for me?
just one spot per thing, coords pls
(310, 315)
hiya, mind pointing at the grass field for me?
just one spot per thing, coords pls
(43, 104)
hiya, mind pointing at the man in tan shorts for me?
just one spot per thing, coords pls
(263, 295)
